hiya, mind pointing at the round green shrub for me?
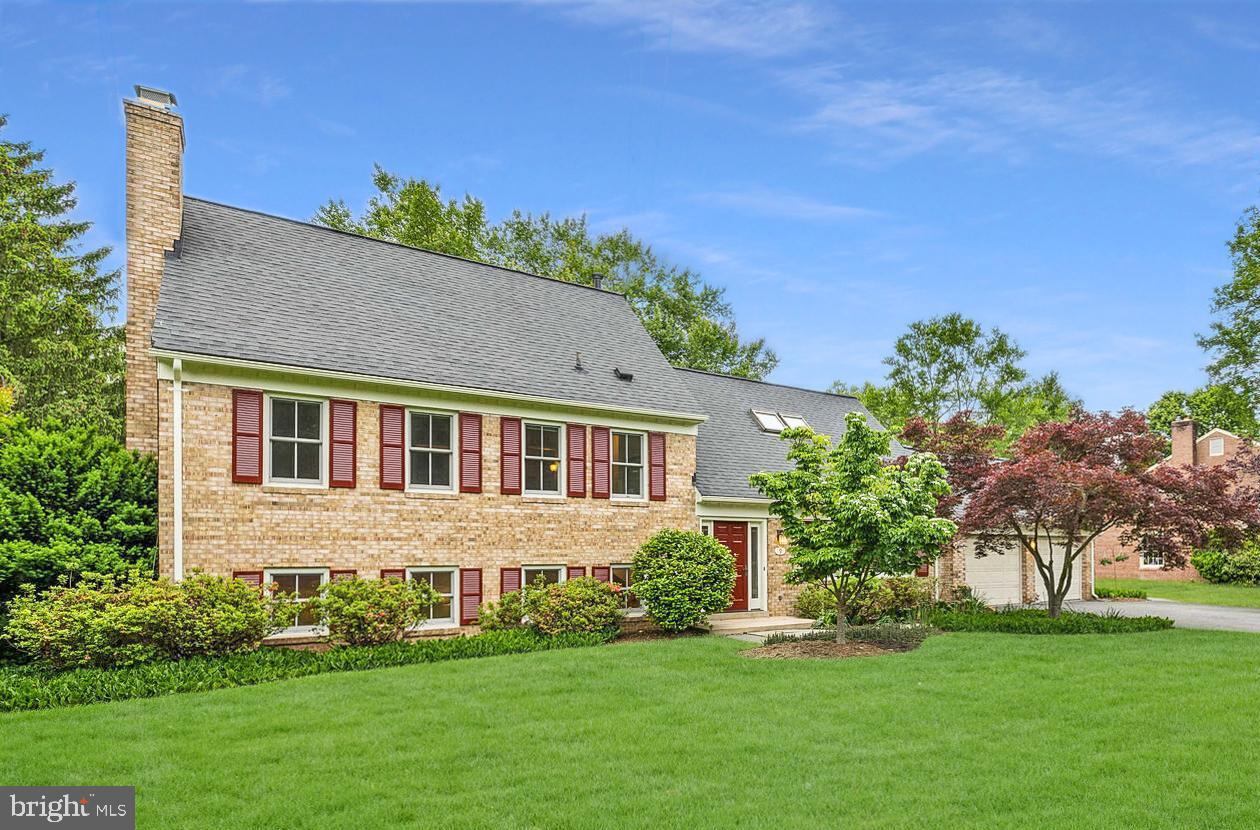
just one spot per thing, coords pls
(365, 612)
(1242, 565)
(506, 614)
(577, 606)
(682, 576)
(815, 602)
(104, 622)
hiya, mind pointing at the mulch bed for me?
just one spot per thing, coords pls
(812, 649)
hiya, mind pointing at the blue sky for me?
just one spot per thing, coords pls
(1069, 173)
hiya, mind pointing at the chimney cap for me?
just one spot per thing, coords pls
(156, 97)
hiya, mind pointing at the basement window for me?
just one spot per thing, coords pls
(769, 421)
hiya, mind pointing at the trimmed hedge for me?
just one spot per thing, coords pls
(26, 687)
(1038, 621)
(1119, 593)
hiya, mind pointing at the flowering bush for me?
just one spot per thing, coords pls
(682, 576)
(107, 622)
(362, 612)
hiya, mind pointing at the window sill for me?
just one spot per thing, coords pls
(543, 498)
(295, 488)
(431, 494)
(629, 502)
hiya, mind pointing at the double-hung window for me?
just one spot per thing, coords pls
(442, 580)
(627, 465)
(550, 574)
(429, 451)
(302, 584)
(623, 577)
(296, 440)
(1152, 560)
(542, 459)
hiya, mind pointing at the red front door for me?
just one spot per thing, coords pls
(735, 536)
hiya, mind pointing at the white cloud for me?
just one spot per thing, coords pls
(244, 81)
(984, 110)
(767, 202)
(755, 28)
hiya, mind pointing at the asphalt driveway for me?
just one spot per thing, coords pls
(1184, 614)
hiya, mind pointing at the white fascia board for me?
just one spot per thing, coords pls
(223, 371)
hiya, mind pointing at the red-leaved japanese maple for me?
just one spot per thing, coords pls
(1065, 483)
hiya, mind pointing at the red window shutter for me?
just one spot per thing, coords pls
(393, 436)
(254, 578)
(393, 573)
(656, 466)
(510, 456)
(469, 595)
(602, 572)
(576, 571)
(923, 570)
(509, 580)
(247, 436)
(577, 460)
(601, 476)
(342, 432)
(341, 576)
(469, 452)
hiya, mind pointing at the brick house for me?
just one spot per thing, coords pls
(1189, 449)
(325, 405)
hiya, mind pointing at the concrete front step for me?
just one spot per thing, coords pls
(723, 624)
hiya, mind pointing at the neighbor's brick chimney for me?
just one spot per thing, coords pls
(155, 193)
(1184, 432)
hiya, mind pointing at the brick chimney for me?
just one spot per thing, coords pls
(1184, 432)
(155, 205)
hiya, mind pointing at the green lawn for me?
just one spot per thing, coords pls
(1207, 593)
(992, 730)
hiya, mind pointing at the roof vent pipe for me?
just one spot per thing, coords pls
(597, 280)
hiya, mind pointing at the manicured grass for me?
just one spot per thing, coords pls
(1206, 593)
(970, 730)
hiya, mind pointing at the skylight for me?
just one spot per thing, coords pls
(769, 421)
(793, 421)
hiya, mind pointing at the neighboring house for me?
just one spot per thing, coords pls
(323, 405)
(1113, 559)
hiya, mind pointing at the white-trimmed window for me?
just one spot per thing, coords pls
(769, 421)
(1216, 446)
(793, 421)
(302, 584)
(551, 574)
(1152, 560)
(542, 459)
(429, 451)
(295, 440)
(442, 580)
(623, 576)
(627, 465)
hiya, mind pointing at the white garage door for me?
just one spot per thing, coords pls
(1074, 590)
(995, 578)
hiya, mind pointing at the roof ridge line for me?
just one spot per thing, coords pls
(353, 235)
(769, 383)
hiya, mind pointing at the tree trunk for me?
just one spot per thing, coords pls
(841, 623)
(1055, 604)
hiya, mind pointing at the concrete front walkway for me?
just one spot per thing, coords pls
(1184, 614)
(733, 625)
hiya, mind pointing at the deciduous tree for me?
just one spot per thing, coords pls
(1235, 334)
(1215, 406)
(1066, 483)
(849, 515)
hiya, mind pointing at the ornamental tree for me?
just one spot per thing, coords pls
(850, 516)
(1066, 483)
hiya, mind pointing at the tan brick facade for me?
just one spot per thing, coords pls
(155, 145)
(230, 526)
(1115, 560)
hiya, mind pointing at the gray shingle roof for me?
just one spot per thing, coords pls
(731, 445)
(250, 286)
